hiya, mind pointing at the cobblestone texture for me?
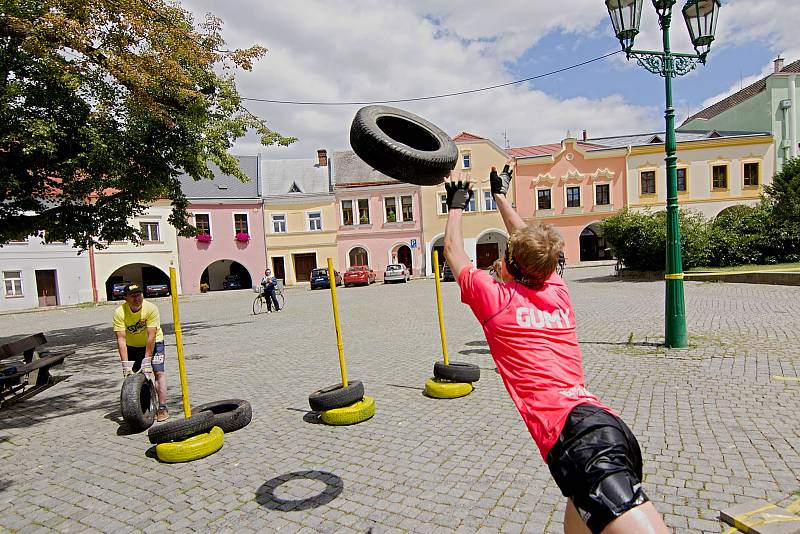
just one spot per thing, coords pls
(715, 427)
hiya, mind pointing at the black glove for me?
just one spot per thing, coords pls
(500, 182)
(458, 194)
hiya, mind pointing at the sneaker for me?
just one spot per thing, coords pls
(162, 414)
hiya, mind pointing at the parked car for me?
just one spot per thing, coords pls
(156, 290)
(117, 289)
(359, 274)
(447, 273)
(319, 278)
(396, 272)
(231, 282)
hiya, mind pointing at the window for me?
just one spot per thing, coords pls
(390, 204)
(407, 206)
(347, 212)
(358, 256)
(719, 176)
(279, 223)
(442, 203)
(751, 172)
(573, 197)
(682, 180)
(467, 160)
(471, 205)
(12, 280)
(363, 211)
(544, 199)
(488, 201)
(602, 195)
(648, 179)
(315, 221)
(149, 231)
(240, 224)
(202, 222)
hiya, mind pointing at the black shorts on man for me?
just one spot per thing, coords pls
(136, 355)
(597, 463)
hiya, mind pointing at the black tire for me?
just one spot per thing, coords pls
(181, 429)
(457, 372)
(230, 415)
(333, 397)
(402, 145)
(138, 402)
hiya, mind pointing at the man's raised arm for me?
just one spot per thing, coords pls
(500, 184)
(458, 196)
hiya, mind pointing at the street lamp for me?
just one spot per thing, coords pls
(701, 20)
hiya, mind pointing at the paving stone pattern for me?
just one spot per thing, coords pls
(715, 427)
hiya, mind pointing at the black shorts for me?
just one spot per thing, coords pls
(597, 463)
(136, 355)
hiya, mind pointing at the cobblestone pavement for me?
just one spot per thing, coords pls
(715, 426)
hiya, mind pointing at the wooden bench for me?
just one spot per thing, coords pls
(32, 374)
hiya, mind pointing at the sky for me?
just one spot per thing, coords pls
(368, 50)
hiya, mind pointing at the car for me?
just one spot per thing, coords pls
(396, 272)
(231, 282)
(117, 289)
(156, 290)
(447, 273)
(319, 278)
(359, 274)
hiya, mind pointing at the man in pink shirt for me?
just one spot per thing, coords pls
(529, 324)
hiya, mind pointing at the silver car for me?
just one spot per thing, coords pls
(396, 272)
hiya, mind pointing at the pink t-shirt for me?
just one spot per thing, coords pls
(531, 334)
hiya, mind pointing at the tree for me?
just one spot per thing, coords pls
(103, 103)
(783, 197)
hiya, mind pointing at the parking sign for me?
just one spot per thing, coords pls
(413, 243)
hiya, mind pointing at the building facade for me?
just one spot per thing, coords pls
(301, 219)
(768, 105)
(379, 218)
(573, 186)
(485, 236)
(230, 249)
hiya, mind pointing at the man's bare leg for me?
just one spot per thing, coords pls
(161, 386)
(644, 519)
(573, 524)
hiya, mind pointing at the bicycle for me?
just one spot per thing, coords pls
(260, 302)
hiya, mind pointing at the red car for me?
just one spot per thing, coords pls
(359, 274)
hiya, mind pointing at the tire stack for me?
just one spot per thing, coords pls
(339, 405)
(452, 380)
(200, 434)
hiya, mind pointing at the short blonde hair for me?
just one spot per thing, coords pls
(533, 253)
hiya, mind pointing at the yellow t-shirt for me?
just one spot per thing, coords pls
(135, 325)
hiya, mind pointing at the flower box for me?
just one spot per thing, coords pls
(203, 238)
(242, 237)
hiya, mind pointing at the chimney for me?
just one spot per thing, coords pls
(585, 136)
(322, 156)
(778, 64)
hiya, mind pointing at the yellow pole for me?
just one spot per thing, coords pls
(334, 302)
(176, 319)
(439, 305)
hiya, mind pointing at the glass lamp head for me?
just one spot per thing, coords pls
(626, 16)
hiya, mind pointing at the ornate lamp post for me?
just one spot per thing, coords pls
(701, 20)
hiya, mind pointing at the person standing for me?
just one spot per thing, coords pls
(269, 283)
(140, 342)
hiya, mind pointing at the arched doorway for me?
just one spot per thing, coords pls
(438, 246)
(142, 274)
(226, 274)
(403, 255)
(358, 256)
(488, 248)
(593, 246)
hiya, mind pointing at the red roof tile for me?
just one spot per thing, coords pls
(466, 136)
(543, 150)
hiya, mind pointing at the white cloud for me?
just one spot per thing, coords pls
(340, 50)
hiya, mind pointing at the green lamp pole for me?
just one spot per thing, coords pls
(701, 20)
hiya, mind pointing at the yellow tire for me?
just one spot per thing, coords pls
(193, 448)
(444, 389)
(350, 415)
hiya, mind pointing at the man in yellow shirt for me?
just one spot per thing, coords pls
(140, 342)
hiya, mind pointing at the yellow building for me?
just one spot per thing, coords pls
(485, 235)
(300, 215)
(716, 170)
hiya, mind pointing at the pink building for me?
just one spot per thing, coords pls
(380, 220)
(573, 186)
(231, 213)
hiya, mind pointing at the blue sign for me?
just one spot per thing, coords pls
(413, 243)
